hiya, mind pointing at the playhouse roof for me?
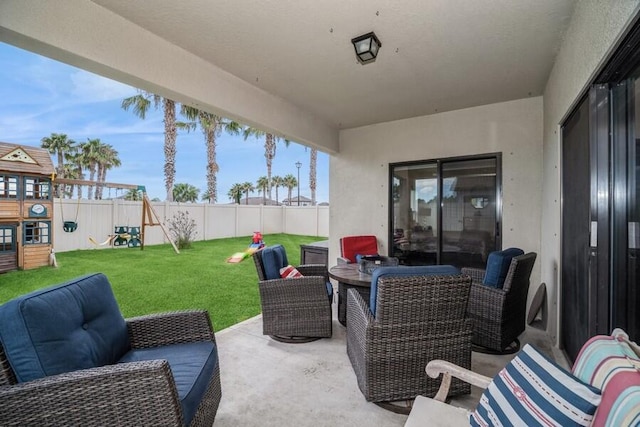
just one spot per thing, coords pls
(25, 159)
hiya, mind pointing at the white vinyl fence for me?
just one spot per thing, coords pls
(97, 220)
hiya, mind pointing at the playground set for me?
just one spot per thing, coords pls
(256, 244)
(26, 207)
(123, 235)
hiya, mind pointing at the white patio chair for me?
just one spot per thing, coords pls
(435, 412)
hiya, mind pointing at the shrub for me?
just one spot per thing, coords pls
(183, 229)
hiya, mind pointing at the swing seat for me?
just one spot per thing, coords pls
(134, 240)
(122, 235)
(121, 229)
(69, 226)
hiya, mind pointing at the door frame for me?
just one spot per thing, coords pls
(4, 253)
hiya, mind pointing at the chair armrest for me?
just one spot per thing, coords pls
(358, 312)
(170, 328)
(113, 394)
(342, 260)
(360, 322)
(485, 299)
(448, 370)
(313, 270)
(477, 274)
(300, 290)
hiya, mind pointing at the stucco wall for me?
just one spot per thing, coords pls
(592, 33)
(359, 173)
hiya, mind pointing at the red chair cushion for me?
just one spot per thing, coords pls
(351, 246)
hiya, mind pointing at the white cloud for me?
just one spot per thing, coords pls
(89, 87)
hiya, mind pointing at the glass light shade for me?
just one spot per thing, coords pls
(366, 47)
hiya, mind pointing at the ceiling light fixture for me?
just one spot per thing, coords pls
(367, 47)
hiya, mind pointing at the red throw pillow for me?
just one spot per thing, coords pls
(289, 272)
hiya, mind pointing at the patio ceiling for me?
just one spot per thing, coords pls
(436, 55)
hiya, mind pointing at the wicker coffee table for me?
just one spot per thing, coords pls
(349, 277)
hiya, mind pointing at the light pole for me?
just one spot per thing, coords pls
(298, 164)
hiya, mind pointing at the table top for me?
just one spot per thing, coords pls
(348, 273)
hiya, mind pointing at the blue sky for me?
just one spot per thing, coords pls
(41, 96)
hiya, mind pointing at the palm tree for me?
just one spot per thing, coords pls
(235, 193)
(247, 188)
(269, 147)
(70, 171)
(108, 158)
(276, 182)
(91, 152)
(183, 193)
(140, 104)
(58, 144)
(290, 182)
(211, 126)
(262, 184)
(313, 161)
(133, 195)
(206, 197)
(77, 158)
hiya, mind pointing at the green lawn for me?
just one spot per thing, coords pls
(157, 279)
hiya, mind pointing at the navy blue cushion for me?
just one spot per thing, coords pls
(329, 290)
(422, 270)
(273, 259)
(498, 264)
(192, 365)
(64, 328)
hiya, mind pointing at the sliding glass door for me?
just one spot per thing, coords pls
(445, 211)
(600, 270)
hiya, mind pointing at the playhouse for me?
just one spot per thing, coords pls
(26, 207)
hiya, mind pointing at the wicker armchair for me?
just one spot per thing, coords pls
(124, 394)
(294, 310)
(418, 318)
(499, 314)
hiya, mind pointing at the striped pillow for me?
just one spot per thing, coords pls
(533, 390)
(610, 363)
(289, 272)
(600, 357)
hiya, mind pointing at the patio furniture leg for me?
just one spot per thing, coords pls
(293, 340)
(514, 347)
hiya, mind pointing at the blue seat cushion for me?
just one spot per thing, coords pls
(273, 259)
(498, 264)
(192, 365)
(68, 327)
(422, 270)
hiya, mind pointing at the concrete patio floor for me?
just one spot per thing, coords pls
(268, 383)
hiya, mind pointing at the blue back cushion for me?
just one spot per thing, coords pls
(273, 259)
(498, 266)
(64, 328)
(422, 270)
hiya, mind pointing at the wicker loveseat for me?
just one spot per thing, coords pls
(415, 314)
(69, 358)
